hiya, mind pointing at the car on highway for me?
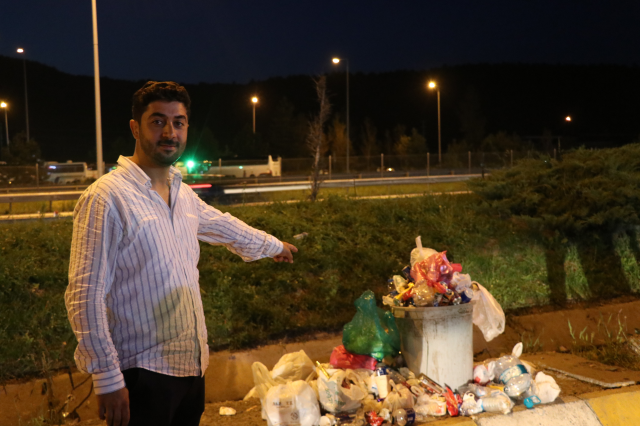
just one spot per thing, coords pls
(208, 192)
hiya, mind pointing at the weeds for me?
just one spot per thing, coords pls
(529, 345)
(615, 350)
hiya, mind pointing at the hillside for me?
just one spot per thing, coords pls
(476, 100)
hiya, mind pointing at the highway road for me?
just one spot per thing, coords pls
(247, 187)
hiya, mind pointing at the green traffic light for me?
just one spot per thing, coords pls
(190, 164)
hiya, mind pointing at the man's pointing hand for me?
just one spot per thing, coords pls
(286, 255)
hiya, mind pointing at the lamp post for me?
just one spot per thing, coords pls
(26, 98)
(4, 106)
(337, 61)
(254, 101)
(432, 85)
(96, 84)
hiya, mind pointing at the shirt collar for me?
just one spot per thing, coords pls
(141, 177)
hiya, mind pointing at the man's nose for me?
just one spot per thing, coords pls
(169, 131)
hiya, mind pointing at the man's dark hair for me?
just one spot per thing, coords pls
(152, 91)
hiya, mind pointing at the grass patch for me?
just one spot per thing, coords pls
(37, 207)
(352, 245)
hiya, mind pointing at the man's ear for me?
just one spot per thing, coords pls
(135, 129)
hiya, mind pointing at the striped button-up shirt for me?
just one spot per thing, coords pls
(133, 298)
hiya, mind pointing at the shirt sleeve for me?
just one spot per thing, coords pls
(96, 234)
(219, 228)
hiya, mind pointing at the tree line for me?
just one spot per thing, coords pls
(484, 107)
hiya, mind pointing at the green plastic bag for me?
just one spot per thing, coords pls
(372, 331)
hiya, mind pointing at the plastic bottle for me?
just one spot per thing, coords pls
(498, 402)
(396, 376)
(510, 371)
(404, 417)
(423, 294)
(382, 380)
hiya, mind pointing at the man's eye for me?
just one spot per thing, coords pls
(179, 124)
(158, 122)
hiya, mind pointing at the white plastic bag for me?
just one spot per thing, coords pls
(290, 367)
(293, 366)
(406, 397)
(292, 404)
(334, 397)
(487, 314)
(430, 406)
(393, 401)
(420, 253)
(367, 377)
(548, 389)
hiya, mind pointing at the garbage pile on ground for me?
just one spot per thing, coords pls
(367, 382)
(358, 390)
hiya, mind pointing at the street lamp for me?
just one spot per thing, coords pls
(568, 118)
(254, 101)
(26, 98)
(337, 61)
(4, 106)
(96, 85)
(432, 85)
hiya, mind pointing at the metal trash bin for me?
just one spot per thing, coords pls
(438, 342)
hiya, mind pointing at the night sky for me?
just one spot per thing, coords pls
(195, 41)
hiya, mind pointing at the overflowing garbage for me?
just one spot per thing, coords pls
(376, 393)
(432, 281)
(368, 382)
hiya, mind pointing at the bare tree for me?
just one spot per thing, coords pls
(316, 139)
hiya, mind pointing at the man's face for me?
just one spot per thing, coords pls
(162, 132)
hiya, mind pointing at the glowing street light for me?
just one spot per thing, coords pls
(26, 98)
(432, 85)
(254, 101)
(568, 118)
(4, 106)
(337, 61)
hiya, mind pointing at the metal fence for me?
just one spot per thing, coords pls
(429, 164)
(331, 167)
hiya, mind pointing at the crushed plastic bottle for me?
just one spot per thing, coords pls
(469, 405)
(497, 402)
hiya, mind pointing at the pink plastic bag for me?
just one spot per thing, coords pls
(436, 271)
(341, 358)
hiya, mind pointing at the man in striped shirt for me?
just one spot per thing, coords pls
(133, 298)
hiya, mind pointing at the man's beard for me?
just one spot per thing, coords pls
(153, 151)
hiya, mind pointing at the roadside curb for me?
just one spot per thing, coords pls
(615, 407)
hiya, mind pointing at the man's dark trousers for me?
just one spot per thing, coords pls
(159, 400)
